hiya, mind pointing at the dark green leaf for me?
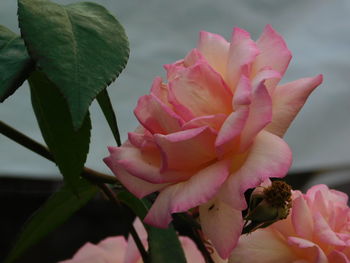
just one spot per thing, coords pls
(107, 108)
(57, 209)
(164, 245)
(15, 64)
(81, 47)
(68, 146)
(138, 206)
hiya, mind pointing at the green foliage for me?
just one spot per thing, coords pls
(15, 64)
(57, 209)
(68, 146)
(107, 108)
(81, 48)
(164, 245)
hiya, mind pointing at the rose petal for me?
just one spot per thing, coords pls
(269, 156)
(222, 225)
(260, 114)
(242, 52)
(144, 165)
(324, 233)
(186, 150)
(215, 49)
(338, 257)
(302, 218)
(135, 185)
(228, 136)
(132, 254)
(199, 91)
(263, 246)
(160, 90)
(180, 197)
(308, 250)
(155, 116)
(273, 53)
(213, 121)
(109, 250)
(192, 254)
(288, 100)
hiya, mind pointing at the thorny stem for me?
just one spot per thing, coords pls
(40, 149)
(109, 193)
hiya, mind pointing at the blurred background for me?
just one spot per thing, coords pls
(160, 32)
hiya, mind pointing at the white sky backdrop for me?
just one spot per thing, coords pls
(162, 31)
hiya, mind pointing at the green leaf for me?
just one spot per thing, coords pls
(68, 146)
(15, 64)
(81, 48)
(164, 245)
(107, 109)
(57, 209)
(138, 206)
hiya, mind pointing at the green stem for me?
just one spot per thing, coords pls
(40, 149)
(109, 193)
(96, 177)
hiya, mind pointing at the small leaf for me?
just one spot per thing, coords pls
(164, 245)
(107, 109)
(68, 146)
(57, 209)
(15, 64)
(81, 48)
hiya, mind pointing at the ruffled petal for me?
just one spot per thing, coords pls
(263, 246)
(242, 53)
(288, 100)
(337, 257)
(302, 218)
(308, 250)
(260, 114)
(135, 185)
(186, 150)
(269, 156)
(274, 53)
(160, 90)
(156, 116)
(215, 49)
(180, 197)
(213, 121)
(228, 136)
(222, 225)
(199, 91)
(142, 139)
(324, 233)
(144, 165)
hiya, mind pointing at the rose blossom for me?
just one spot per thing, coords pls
(118, 250)
(316, 231)
(212, 131)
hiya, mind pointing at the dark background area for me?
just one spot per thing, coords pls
(19, 198)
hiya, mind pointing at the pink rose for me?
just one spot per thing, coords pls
(212, 131)
(118, 250)
(316, 231)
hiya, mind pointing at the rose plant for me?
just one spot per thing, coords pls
(316, 231)
(213, 130)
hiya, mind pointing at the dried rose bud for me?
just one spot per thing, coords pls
(268, 205)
